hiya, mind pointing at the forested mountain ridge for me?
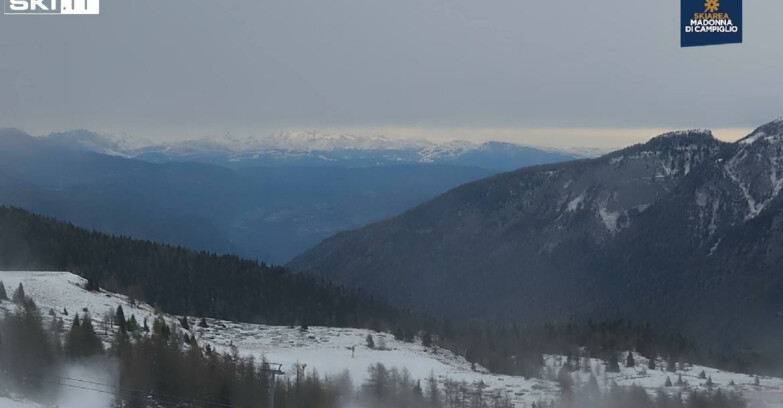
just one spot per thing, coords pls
(179, 280)
(657, 231)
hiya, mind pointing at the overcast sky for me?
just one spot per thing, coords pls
(546, 72)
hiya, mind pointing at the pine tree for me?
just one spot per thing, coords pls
(370, 341)
(629, 361)
(92, 344)
(651, 363)
(668, 382)
(399, 335)
(119, 319)
(433, 393)
(184, 323)
(133, 324)
(426, 339)
(72, 343)
(672, 365)
(564, 378)
(203, 323)
(417, 391)
(702, 375)
(19, 295)
(92, 285)
(3, 295)
(613, 366)
(709, 382)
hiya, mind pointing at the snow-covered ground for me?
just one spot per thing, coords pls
(328, 350)
(12, 403)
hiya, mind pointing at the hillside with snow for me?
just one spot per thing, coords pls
(332, 351)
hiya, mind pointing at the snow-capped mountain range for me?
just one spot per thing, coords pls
(313, 148)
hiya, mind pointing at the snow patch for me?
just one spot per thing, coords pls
(609, 218)
(573, 205)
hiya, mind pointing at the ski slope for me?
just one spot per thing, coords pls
(328, 350)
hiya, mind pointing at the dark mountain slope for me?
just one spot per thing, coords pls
(505, 233)
(626, 235)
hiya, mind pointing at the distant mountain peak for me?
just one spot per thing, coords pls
(769, 132)
(685, 133)
(689, 136)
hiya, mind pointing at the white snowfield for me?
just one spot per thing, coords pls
(12, 403)
(328, 350)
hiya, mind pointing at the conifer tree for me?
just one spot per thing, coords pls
(92, 344)
(629, 361)
(668, 382)
(672, 365)
(426, 339)
(651, 363)
(19, 295)
(72, 341)
(184, 323)
(702, 375)
(82, 341)
(133, 324)
(92, 285)
(564, 378)
(433, 393)
(3, 295)
(370, 341)
(613, 365)
(399, 335)
(203, 323)
(119, 319)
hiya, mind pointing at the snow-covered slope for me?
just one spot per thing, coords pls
(327, 350)
(12, 403)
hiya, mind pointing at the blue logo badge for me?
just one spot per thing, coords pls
(710, 22)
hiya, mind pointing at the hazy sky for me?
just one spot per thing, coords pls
(550, 72)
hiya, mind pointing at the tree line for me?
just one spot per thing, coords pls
(184, 282)
(160, 365)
